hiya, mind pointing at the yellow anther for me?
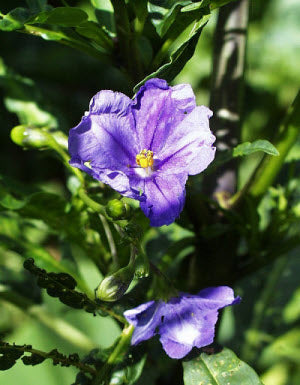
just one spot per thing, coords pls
(145, 158)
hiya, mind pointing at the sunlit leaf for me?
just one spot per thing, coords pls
(248, 148)
(223, 368)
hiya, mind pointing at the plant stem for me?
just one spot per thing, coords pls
(110, 240)
(116, 355)
(54, 355)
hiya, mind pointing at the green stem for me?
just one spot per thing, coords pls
(110, 240)
(119, 351)
(95, 206)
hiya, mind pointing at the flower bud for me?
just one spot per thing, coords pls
(114, 286)
(29, 137)
(117, 209)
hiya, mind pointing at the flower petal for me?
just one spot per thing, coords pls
(146, 319)
(157, 108)
(189, 146)
(109, 102)
(174, 349)
(165, 196)
(105, 145)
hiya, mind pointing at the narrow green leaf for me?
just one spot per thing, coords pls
(223, 368)
(179, 57)
(248, 148)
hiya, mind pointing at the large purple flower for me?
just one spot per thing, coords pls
(145, 148)
(183, 322)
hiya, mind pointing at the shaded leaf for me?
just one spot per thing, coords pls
(223, 368)
(66, 16)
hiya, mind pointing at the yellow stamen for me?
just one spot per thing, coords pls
(145, 158)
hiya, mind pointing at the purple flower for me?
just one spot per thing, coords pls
(183, 322)
(145, 148)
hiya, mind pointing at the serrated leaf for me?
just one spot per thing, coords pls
(223, 368)
(248, 148)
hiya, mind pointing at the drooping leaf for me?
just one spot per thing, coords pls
(223, 368)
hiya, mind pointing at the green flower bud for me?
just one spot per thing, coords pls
(114, 286)
(117, 209)
(29, 137)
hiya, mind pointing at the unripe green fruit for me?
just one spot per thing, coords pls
(117, 209)
(114, 286)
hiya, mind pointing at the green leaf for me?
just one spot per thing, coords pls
(91, 30)
(223, 368)
(167, 15)
(179, 57)
(248, 148)
(163, 13)
(66, 16)
(15, 19)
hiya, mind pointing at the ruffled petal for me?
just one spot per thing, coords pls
(157, 108)
(189, 146)
(165, 196)
(146, 319)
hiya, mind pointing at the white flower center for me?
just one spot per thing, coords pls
(186, 334)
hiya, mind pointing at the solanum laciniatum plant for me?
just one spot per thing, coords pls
(149, 180)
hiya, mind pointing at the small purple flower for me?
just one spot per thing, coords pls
(145, 148)
(183, 322)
